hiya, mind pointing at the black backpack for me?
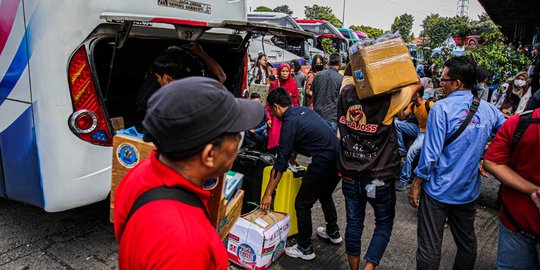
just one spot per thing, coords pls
(525, 119)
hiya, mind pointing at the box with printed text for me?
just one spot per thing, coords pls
(257, 239)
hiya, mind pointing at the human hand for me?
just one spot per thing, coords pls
(535, 197)
(269, 122)
(266, 202)
(195, 49)
(414, 193)
(481, 169)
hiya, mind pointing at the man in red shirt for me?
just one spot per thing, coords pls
(519, 173)
(196, 125)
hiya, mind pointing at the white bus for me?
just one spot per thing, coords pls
(68, 66)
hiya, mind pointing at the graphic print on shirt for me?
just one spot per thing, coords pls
(463, 112)
(356, 147)
(356, 119)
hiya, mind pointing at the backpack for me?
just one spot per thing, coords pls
(525, 119)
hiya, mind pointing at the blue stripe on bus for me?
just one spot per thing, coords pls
(15, 69)
(21, 161)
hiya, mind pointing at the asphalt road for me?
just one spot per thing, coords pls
(83, 238)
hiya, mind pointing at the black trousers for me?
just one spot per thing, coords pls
(431, 217)
(315, 186)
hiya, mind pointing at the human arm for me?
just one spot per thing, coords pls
(510, 178)
(402, 115)
(210, 63)
(399, 101)
(266, 201)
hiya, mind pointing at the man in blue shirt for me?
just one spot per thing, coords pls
(306, 133)
(449, 175)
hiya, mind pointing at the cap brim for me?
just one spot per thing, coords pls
(251, 115)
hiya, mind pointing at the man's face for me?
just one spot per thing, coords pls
(163, 80)
(448, 84)
(284, 73)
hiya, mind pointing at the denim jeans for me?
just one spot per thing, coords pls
(407, 128)
(516, 251)
(332, 124)
(414, 151)
(384, 207)
(315, 186)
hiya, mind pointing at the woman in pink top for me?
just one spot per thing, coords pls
(286, 81)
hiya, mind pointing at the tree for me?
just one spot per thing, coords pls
(317, 12)
(264, 9)
(371, 32)
(283, 9)
(403, 24)
(436, 30)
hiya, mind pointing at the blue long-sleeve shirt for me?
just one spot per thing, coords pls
(304, 131)
(451, 173)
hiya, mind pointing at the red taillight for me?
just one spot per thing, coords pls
(88, 120)
(245, 92)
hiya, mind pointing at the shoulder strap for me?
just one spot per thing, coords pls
(472, 110)
(525, 119)
(166, 193)
(427, 104)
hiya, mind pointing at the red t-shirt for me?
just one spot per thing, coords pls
(164, 234)
(523, 161)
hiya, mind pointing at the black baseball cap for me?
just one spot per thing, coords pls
(187, 114)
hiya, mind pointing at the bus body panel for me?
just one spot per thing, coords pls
(59, 170)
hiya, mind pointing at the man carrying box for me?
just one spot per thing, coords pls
(369, 163)
(306, 133)
(195, 124)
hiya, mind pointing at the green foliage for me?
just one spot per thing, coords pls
(317, 12)
(437, 29)
(371, 32)
(497, 58)
(264, 9)
(283, 9)
(403, 24)
(326, 44)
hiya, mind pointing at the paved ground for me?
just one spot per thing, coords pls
(83, 239)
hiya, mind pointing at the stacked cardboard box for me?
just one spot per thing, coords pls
(382, 68)
(128, 151)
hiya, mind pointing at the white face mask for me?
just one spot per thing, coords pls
(519, 83)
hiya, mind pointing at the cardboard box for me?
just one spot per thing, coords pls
(233, 181)
(128, 151)
(382, 68)
(232, 213)
(258, 239)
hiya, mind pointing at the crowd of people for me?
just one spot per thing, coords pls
(450, 120)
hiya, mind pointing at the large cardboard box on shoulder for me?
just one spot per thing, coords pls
(382, 68)
(128, 151)
(258, 239)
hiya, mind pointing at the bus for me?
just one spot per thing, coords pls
(67, 68)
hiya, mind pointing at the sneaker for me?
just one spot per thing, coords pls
(334, 238)
(401, 186)
(298, 252)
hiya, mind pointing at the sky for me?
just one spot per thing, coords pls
(378, 13)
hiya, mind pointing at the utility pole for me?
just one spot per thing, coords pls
(343, 17)
(462, 8)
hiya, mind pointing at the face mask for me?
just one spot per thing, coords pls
(519, 83)
(480, 87)
(319, 67)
